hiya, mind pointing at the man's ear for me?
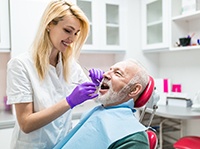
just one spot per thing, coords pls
(135, 90)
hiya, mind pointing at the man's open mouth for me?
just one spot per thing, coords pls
(104, 86)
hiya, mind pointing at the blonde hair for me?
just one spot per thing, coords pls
(42, 45)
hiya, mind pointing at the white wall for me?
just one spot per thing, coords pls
(150, 60)
(182, 67)
(101, 61)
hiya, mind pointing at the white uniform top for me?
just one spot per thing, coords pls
(23, 86)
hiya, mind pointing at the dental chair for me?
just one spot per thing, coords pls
(187, 142)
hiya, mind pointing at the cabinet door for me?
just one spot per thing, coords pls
(155, 24)
(106, 22)
(87, 6)
(115, 30)
(4, 26)
(25, 16)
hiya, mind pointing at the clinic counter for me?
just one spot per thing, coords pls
(172, 123)
(7, 119)
(177, 112)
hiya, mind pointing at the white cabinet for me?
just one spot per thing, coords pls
(155, 24)
(4, 26)
(163, 23)
(107, 19)
(5, 137)
(107, 22)
(25, 16)
(184, 24)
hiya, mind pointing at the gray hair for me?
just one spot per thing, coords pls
(141, 76)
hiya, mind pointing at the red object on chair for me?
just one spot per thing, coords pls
(146, 94)
(188, 142)
(141, 101)
(152, 139)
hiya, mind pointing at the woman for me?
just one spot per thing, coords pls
(40, 83)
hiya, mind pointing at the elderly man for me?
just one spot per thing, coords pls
(112, 124)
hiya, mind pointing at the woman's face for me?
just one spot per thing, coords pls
(64, 33)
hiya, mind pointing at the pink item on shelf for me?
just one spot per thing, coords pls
(176, 88)
(165, 83)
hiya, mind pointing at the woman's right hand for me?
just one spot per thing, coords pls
(81, 93)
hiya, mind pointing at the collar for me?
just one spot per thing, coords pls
(128, 104)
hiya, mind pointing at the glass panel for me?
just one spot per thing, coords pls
(86, 7)
(112, 22)
(89, 39)
(154, 22)
(154, 34)
(112, 14)
(112, 36)
(154, 11)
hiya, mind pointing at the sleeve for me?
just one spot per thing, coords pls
(19, 88)
(137, 141)
(81, 75)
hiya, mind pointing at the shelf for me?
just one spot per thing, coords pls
(185, 48)
(183, 25)
(112, 25)
(187, 17)
(163, 24)
(151, 1)
(104, 51)
(154, 23)
(5, 50)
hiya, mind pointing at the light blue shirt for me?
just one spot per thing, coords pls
(101, 127)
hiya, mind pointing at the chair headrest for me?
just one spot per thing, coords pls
(146, 94)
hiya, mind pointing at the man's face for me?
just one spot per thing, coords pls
(114, 88)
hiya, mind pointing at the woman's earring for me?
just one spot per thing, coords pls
(48, 30)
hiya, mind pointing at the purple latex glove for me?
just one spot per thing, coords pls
(82, 93)
(96, 75)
